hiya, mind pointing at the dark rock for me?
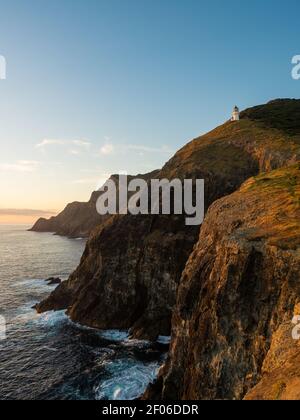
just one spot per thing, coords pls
(58, 300)
(53, 280)
(76, 220)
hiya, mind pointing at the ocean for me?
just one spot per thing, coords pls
(48, 357)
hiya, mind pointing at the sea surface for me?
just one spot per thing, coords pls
(48, 356)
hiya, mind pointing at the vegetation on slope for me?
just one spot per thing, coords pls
(279, 224)
(282, 114)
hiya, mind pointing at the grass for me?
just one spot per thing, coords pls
(279, 223)
(267, 134)
(281, 114)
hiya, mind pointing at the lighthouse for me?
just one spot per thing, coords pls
(235, 114)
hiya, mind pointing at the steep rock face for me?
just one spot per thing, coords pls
(240, 286)
(126, 285)
(131, 268)
(79, 219)
(281, 368)
(76, 220)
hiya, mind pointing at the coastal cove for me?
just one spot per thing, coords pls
(48, 356)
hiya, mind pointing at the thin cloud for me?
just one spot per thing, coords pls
(20, 166)
(82, 144)
(26, 212)
(95, 173)
(83, 181)
(74, 152)
(107, 149)
(147, 149)
(49, 142)
(95, 182)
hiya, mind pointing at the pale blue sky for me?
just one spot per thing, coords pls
(122, 84)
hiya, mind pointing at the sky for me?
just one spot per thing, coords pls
(95, 87)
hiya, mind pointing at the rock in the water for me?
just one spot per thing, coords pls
(53, 280)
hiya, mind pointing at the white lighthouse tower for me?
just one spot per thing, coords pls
(235, 114)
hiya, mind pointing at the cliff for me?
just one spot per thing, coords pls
(79, 219)
(76, 220)
(281, 367)
(132, 265)
(232, 325)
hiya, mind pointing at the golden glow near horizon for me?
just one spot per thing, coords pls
(46, 185)
(19, 220)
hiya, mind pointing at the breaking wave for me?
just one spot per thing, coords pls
(48, 356)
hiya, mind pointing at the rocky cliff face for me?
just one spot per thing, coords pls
(128, 276)
(131, 268)
(79, 219)
(232, 325)
(76, 220)
(281, 367)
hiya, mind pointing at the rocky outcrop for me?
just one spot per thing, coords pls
(78, 220)
(51, 281)
(131, 268)
(232, 324)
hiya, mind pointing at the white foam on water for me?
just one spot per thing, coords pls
(163, 339)
(52, 349)
(24, 314)
(128, 379)
(123, 337)
(53, 318)
(38, 285)
(125, 378)
(24, 318)
(132, 342)
(104, 354)
(114, 335)
(29, 318)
